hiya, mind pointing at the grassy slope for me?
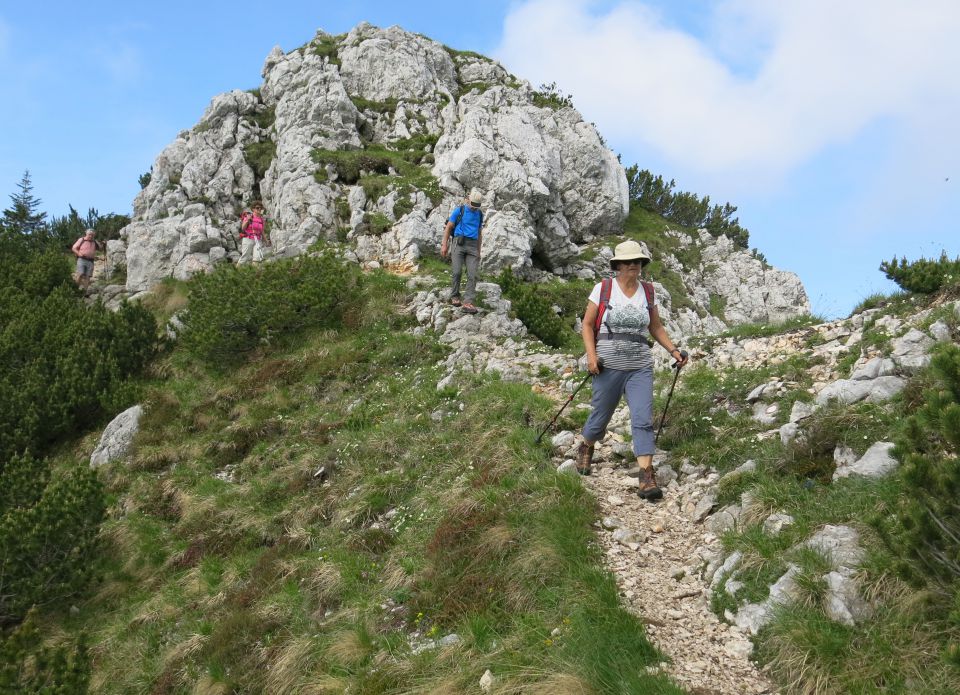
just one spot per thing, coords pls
(272, 581)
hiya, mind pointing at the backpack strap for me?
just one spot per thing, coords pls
(648, 291)
(606, 287)
(463, 209)
(459, 219)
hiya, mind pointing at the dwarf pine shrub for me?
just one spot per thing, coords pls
(924, 530)
(923, 275)
(48, 533)
(534, 310)
(233, 310)
(27, 665)
(65, 363)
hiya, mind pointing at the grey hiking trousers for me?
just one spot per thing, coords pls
(608, 386)
(467, 252)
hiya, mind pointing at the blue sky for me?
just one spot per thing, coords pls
(831, 125)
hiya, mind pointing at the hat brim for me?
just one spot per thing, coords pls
(644, 260)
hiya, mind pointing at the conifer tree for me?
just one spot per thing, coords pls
(24, 215)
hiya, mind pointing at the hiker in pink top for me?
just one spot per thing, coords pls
(85, 249)
(251, 235)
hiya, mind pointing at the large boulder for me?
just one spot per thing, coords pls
(117, 439)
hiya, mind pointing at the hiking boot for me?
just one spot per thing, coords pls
(455, 300)
(649, 490)
(469, 308)
(584, 459)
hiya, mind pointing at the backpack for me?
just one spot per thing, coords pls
(606, 287)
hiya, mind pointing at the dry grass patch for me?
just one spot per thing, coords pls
(348, 648)
(290, 665)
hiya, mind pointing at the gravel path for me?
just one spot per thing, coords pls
(654, 550)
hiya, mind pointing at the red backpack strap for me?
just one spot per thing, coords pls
(606, 287)
(648, 291)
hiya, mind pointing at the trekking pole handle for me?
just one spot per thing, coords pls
(683, 355)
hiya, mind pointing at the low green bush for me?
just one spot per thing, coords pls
(65, 363)
(260, 155)
(48, 533)
(27, 665)
(233, 310)
(925, 527)
(535, 311)
(371, 167)
(925, 276)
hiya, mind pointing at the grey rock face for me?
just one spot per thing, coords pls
(418, 67)
(841, 544)
(549, 183)
(910, 350)
(874, 368)
(874, 391)
(875, 463)
(754, 616)
(117, 438)
(199, 178)
(751, 292)
(940, 332)
(547, 177)
(546, 170)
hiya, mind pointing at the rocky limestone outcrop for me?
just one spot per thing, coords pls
(371, 138)
(548, 179)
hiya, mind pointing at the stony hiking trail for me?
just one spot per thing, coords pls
(654, 551)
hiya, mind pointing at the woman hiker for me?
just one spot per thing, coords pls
(629, 313)
(251, 235)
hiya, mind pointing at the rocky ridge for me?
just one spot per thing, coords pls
(367, 140)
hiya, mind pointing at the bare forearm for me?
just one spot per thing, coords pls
(589, 339)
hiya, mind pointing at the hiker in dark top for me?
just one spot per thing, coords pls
(465, 226)
(629, 314)
(85, 249)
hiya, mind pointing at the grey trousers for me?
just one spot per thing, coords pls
(608, 386)
(467, 253)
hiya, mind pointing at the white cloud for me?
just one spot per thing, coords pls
(762, 88)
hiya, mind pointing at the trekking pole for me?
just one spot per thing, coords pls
(676, 365)
(569, 400)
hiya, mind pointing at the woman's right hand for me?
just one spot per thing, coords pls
(593, 364)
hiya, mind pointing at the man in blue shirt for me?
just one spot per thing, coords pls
(465, 226)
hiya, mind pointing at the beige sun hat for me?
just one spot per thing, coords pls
(630, 251)
(476, 197)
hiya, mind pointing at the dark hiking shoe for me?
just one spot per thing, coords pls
(455, 301)
(584, 459)
(649, 490)
(469, 308)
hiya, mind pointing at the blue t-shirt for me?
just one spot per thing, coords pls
(470, 224)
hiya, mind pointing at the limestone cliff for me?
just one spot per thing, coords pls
(371, 138)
